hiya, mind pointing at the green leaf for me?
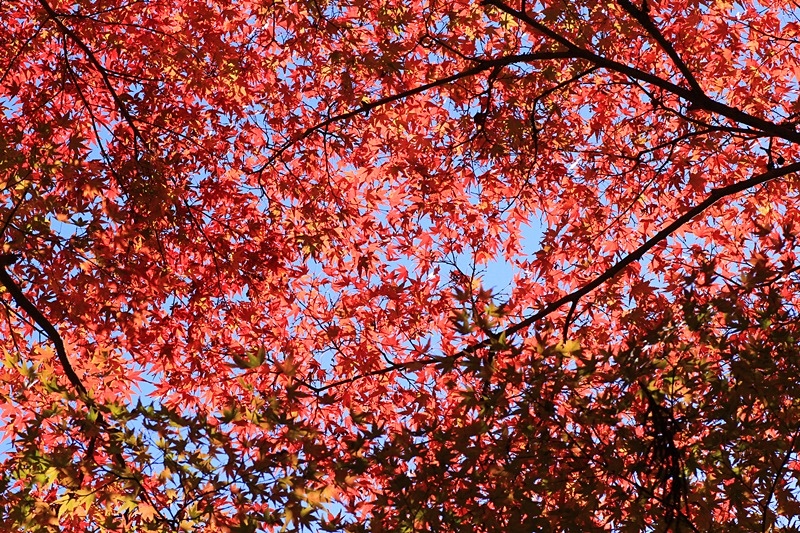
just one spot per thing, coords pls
(251, 359)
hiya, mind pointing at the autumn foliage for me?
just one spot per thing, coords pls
(246, 258)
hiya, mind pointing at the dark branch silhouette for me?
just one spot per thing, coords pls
(21, 300)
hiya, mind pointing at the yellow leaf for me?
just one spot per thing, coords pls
(568, 347)
(146, 511)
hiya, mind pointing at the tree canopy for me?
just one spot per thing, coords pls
(245, 248)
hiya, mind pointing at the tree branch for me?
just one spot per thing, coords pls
(485, 65)
(778, 476)
(21, 300)
(715, 196)
(699, 101)
(575, 296)
(101, 70)
(51, 332)
(644, 20)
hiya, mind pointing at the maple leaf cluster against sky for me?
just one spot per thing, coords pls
(268, 222)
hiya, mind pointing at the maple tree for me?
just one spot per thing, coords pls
(245, 246)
